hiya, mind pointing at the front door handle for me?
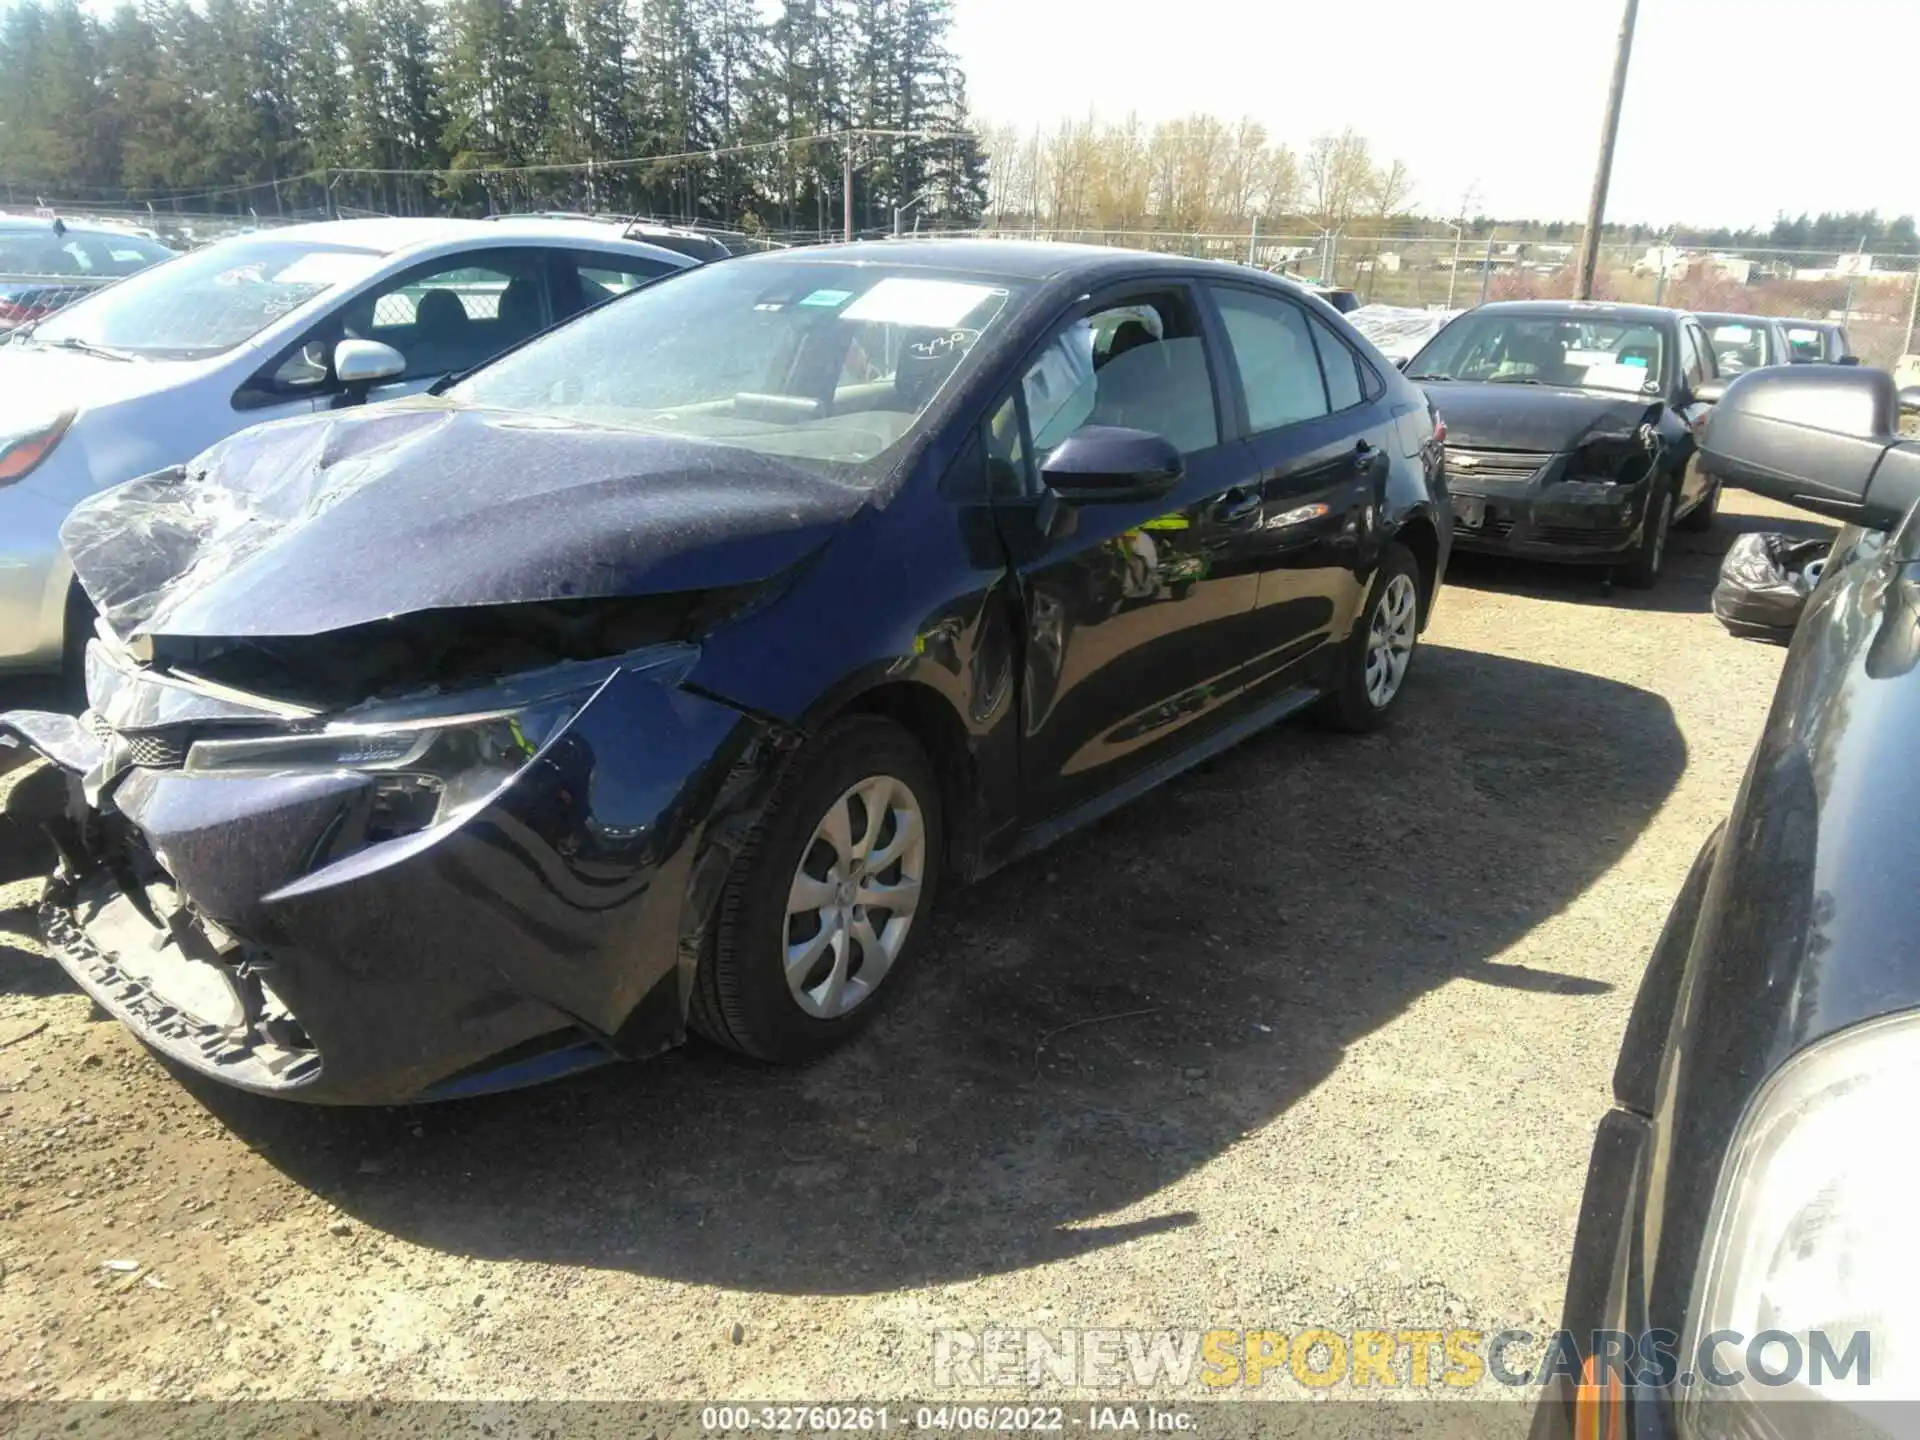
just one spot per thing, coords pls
(1236, 505)
(1364, 455)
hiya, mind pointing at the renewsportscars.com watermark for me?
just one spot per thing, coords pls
(1381, 1360)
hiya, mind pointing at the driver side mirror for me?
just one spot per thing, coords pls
(1108, 464)
(1848, 360)
(1822, 437)
(1709, 392)
(358, 364)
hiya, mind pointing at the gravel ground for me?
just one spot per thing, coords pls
(1317, 1035)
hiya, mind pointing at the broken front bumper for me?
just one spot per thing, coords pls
(270, 931)
(1528, 505)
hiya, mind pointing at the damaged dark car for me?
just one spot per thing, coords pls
(663, 672)
(1571, 430)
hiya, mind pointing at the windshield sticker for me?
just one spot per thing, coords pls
(254, 274)
(939, 304)
(1638, 362)
(1630, 376)
(828, 299)
(324, 268)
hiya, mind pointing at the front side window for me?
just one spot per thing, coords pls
(831, 365)
(1141, 365)
(1273, 347)
(1569, 351)
(465, 310)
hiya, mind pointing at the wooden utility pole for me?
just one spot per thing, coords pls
(846, 187)
(1603, 171)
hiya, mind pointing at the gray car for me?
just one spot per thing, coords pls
(264, 326)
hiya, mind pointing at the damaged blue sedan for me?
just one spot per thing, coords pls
(663, 672)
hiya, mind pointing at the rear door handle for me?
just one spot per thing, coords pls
(1236, 504)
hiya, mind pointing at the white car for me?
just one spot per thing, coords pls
(150, 372)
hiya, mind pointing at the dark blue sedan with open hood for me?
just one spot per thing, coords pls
(664, 671)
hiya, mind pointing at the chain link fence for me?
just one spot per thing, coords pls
(1872, 294)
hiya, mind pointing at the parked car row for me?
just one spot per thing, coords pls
(656, 658)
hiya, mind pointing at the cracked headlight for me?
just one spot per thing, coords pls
(431, 761)
(1810, 1270)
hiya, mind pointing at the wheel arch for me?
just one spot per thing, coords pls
(1418, 534)
(930, 717)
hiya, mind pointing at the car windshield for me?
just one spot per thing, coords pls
(1577, 352)
(831, 365)
(206, 303)
(1738, 345)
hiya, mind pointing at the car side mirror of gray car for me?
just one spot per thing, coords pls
(1710, 392)
(1848, 360)
(1108, 464)
(1822, 437)
(366, 362)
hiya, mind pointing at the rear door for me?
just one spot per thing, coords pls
(1697, 365)
(1318, 438)
(1139, 614)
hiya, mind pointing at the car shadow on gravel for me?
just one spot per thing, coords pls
(1088, 1027)
(1686, 586)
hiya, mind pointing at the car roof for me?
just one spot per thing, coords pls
(396, 235)
(1006, 259)
(34, 223)
(1597, 309)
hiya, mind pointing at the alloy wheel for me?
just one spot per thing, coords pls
(1390, 639)
(854, 896)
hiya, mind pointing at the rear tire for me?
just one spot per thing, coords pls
(1699, 519)
(804, 953)
(1378, 655)
(1642, 572)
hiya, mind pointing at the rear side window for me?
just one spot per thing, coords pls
(589, 278)
(1341, 366)
(1273, 348)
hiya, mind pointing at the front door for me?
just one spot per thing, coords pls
(1138, 614)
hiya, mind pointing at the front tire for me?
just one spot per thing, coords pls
(1642, 572)
(1378, 655)
(1699, 519)
(829, 898)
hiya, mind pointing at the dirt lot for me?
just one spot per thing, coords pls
(1317, 1035)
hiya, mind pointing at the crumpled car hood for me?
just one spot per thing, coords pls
(314, 525)
(1535, 417)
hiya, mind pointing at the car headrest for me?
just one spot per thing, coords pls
(439, 314)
